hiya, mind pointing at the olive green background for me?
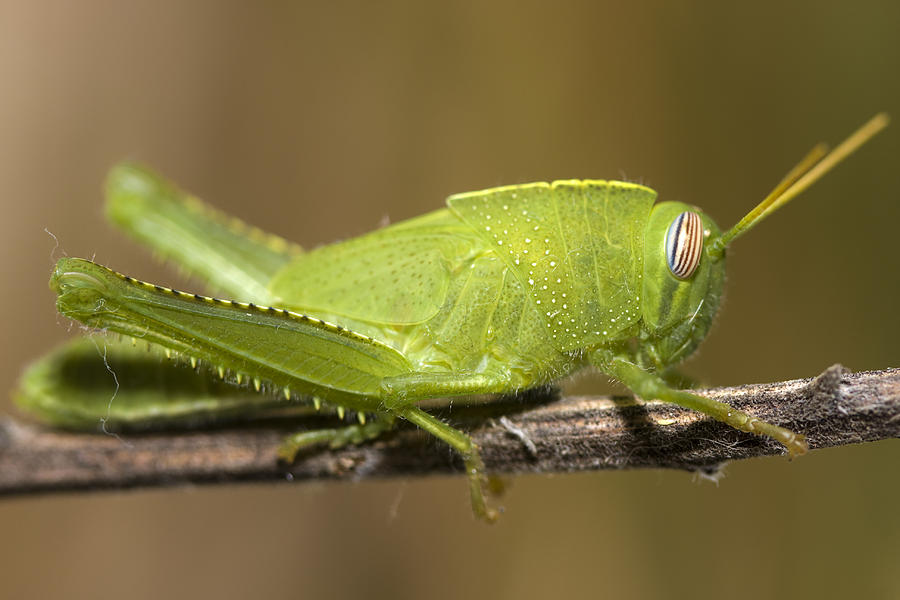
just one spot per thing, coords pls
(319, 120)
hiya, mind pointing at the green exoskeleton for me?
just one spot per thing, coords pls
(502, 290)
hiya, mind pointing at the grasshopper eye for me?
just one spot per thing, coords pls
(684, 241)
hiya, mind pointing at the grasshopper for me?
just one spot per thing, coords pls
(504, 289)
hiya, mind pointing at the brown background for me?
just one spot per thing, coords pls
(318, 121)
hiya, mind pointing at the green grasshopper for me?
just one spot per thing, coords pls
(504, 289)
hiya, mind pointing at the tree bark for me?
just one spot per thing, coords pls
(522, 434)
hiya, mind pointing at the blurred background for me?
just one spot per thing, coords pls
(319, 120)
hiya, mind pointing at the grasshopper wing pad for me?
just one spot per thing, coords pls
(575, 246)
(397, 276)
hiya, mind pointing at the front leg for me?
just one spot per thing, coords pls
(649, 386)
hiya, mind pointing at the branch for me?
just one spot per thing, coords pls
(572, 434)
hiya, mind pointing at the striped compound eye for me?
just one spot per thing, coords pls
(684, 241)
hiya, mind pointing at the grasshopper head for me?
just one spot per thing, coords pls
(682, 282)
(684, 255)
